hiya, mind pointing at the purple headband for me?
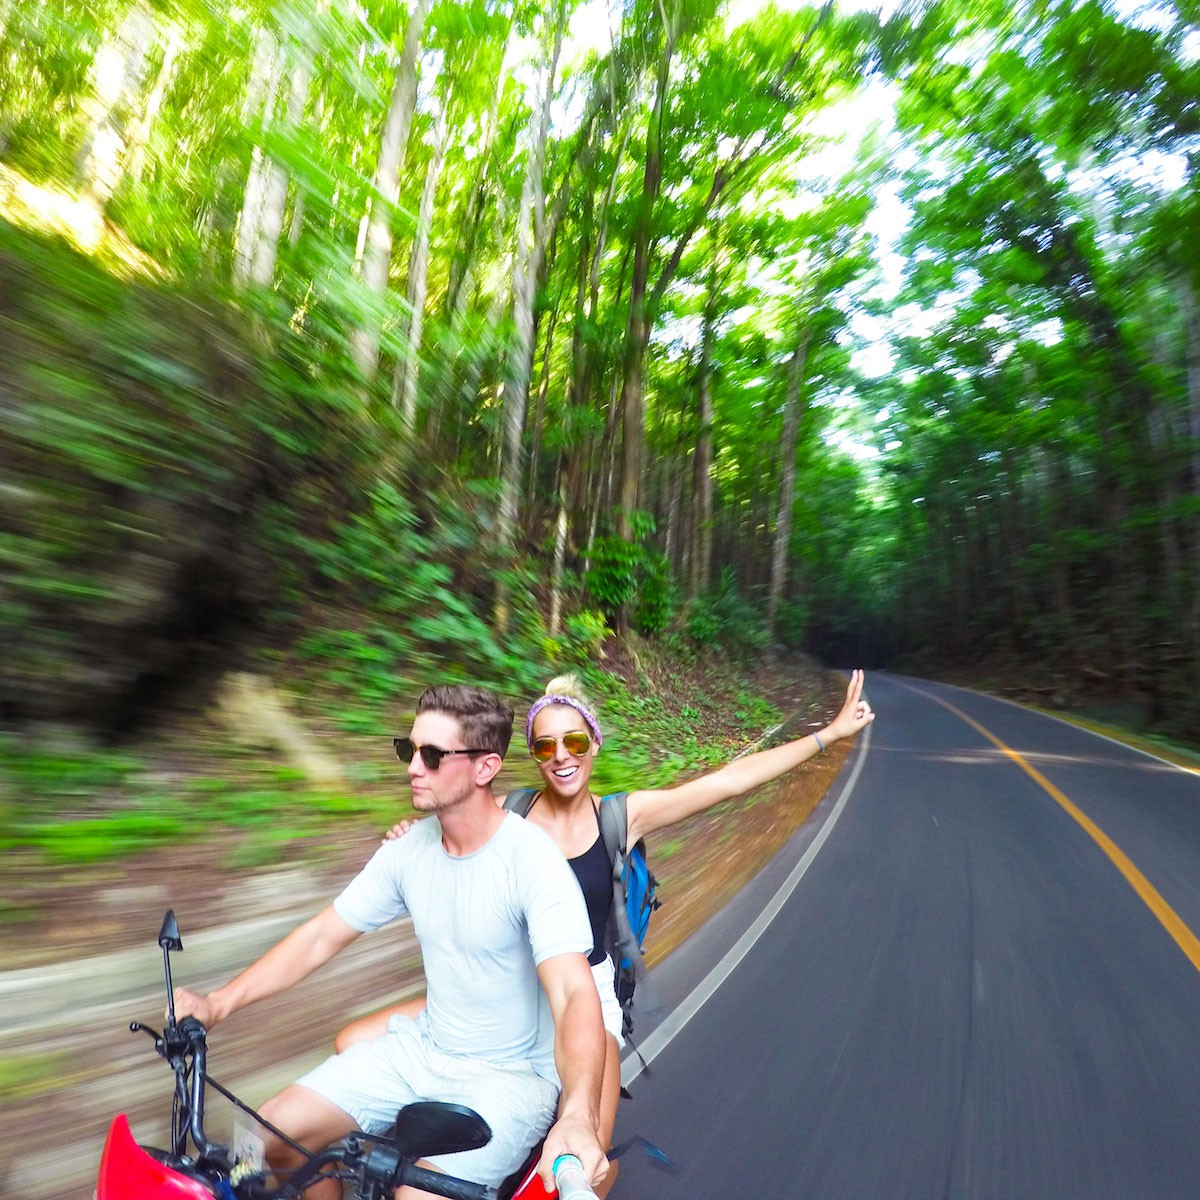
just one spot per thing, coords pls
(556, 698)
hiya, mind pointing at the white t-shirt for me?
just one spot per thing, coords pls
(484, 922)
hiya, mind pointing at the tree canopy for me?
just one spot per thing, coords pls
(562, 311)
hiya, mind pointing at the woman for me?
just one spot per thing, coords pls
(564, 737)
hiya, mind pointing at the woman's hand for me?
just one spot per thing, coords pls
(398, 830)
(856, 712)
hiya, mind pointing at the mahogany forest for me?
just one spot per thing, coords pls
(464, 333)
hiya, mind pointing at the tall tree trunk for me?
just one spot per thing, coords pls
(1012, 568)
(139, 131)
(531, 231)
(462, 266)
(539, 412)
(793, 408)
(377, 248)
(1191, 326)
(1059, 523)
(260, 96)
(266, 249)
(404, 392)
(702, 539)
(562, 527)
(637, 333)
(116, 80)
(702, 462)
(582, 350)
(643, 305)
(462, 284)
(482, 346)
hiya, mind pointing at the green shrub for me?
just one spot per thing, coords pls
(584, 634)
(726, 618)
(656, 601)
(612, 578)
(96, 839)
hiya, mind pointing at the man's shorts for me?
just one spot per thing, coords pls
(604, 973)
(372, 1081)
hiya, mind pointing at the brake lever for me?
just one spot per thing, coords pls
(168, 1044)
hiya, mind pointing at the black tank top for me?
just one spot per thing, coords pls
(594, 872)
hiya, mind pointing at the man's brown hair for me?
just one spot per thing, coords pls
(484, 717)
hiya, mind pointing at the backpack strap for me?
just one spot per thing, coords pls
(614, 828)
(520, 801)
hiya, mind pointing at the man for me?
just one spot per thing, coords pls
(504, 934)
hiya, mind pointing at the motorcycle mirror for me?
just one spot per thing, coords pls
(169, 939)
(431, 1127)
(168, 935)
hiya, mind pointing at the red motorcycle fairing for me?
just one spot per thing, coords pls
(532, 1187)
(128, 1172)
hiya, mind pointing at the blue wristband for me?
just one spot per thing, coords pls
(818, 741)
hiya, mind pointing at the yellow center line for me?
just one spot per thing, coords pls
(1171, 921)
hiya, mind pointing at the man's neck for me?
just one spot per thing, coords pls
(471, 824)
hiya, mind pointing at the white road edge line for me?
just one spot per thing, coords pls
(664, 1034)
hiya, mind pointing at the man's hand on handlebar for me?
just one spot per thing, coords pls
(188, 1004)
(572, 1135)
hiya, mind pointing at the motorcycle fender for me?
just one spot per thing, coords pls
(127, 1172)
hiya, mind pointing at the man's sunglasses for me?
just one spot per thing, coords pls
(431, 756)
(576, 742)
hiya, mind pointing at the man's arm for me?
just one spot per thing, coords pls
(306, 948)
(579, 1046)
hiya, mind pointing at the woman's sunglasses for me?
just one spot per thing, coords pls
(431, 756)
(576, 742)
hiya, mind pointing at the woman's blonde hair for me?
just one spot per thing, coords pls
(568, 685)
(564, 689)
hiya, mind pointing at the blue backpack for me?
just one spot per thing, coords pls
(634, 893)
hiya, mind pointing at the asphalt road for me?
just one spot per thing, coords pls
(964, 994)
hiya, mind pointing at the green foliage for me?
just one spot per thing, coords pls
(612, 577)
(583, 636)
(793, 622)
(725, 618)
(1029, 482)
(671, 727)
(61, 774)
(79, 807)
(32, 1074)
(632, 573)
(414, 608)
(158, 478)
(754, 713)
(656, 594)
(115, 836)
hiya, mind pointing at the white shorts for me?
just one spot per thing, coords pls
(372, 1081)
(605, 975)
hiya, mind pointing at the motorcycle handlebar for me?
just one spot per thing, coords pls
(379, 1170)
(444, 1185)
(178, 1040)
